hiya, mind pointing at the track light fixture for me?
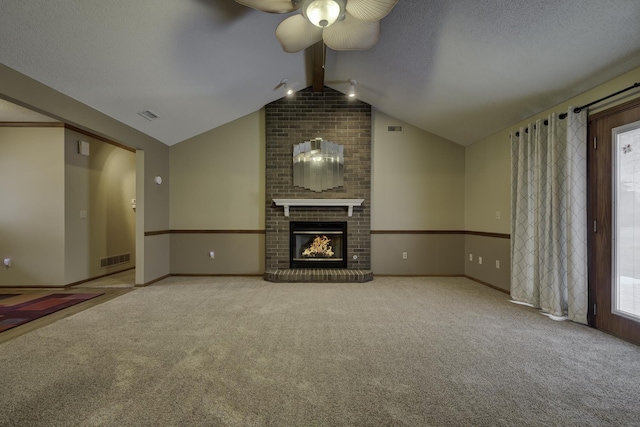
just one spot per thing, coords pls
(352, 88)
(285, 86)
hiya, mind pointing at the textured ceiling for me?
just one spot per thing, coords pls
(461, 69)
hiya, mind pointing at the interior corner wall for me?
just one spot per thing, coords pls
(156, 202)
(32, 224)
(217, 200)
(489, 193)
(29, 93)
(101, 185)
(488, 184)
(417, 201)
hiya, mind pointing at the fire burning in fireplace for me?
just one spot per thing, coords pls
(316, 244)
(319, 248)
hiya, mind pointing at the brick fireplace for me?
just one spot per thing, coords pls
(329, 115)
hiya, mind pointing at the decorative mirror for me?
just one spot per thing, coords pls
(318, 165)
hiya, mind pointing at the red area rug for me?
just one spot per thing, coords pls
(17, 309)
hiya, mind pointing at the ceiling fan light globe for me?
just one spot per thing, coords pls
(323, 13)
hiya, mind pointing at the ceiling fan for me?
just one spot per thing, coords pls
(340, 24)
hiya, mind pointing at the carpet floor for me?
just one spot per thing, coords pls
(239, 351)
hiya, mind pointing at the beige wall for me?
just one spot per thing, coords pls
(490, 249)
(488, 186)
(488, 178)
(157, 256)
(102, 184)
(32, 223)
(234, 253)
(417, 179)
(217, 178)
(488, 162)
(417, 185)
(218, 183)
(24, 91)
(427, 254)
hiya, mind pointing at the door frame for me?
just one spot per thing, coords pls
(600, 209)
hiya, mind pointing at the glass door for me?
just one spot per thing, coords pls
(626, 214)
(614, 212)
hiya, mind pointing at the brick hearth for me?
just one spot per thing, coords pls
(322, 275)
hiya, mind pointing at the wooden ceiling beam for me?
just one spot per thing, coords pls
(319, 55)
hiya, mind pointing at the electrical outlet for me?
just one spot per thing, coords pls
(498, 263)
(479, 260)
(470, 257)
(83, 214)
(212, 254)
(404, 255)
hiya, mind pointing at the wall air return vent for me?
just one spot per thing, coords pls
(115, 260)
(148, 114)
(394, 128)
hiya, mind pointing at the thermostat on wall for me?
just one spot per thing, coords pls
(83, 148)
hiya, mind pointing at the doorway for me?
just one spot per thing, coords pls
(614, 213)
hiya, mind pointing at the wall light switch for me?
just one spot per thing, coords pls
(83, 214)
(497, 263)
(470, 257)
(479, 260)
(497, 214)
(212, 254)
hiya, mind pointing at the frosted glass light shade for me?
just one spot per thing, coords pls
(323, 13)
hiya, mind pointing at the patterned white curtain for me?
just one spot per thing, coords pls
(549, 215)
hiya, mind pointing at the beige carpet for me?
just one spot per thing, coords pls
(245, 352)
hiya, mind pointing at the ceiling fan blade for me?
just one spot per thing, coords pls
(351, 34)
(296, 33)
(370, 10)
(271, 6)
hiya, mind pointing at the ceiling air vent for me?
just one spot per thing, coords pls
(148, 114)
(395, 128)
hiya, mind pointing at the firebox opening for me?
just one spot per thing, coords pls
(318, 244)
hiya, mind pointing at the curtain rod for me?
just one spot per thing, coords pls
(578, 109)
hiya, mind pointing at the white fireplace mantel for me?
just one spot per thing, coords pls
(287, 203)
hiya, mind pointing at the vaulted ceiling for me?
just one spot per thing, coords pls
(460, 69)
